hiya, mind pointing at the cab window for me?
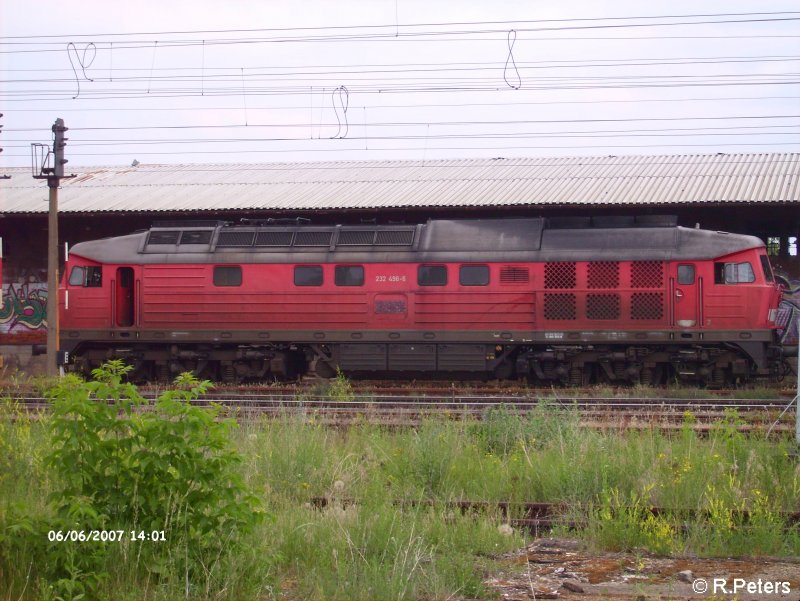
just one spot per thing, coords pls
(89, 277)
(94, 277)
(767, 269)
(77, 276)
(734, 273)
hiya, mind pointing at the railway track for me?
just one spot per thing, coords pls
(535, 516)
(403, 409)
(310, 385)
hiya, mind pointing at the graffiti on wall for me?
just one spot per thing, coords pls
(24, 309)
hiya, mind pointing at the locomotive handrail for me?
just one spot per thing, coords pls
(700, 303)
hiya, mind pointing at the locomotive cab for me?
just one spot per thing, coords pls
(97, 296)
(733, 292)
(84, 296)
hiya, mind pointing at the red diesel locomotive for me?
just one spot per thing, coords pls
(570, 301)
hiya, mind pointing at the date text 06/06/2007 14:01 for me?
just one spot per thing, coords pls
(105, 535)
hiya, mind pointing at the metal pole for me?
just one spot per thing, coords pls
(52, 278)
(53, 176)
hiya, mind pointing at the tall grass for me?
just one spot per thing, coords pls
(546, 456)
(387, 528)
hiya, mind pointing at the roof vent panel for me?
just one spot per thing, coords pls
(274, 238)
(231, 238)
(395, 238)
(306, 238)
(163, 237)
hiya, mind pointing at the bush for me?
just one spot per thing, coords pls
(121, 465)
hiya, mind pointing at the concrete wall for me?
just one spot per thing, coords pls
(20, 359)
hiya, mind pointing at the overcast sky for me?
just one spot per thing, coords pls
(259, 81)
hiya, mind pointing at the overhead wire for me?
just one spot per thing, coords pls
(431, 123)
(428, 148)
(399, 74)
(717, 161)
(488, 85)
(373, 107)
(427, 138)
(370, 67)
(427, 35)
(396, 25)
(410, 79)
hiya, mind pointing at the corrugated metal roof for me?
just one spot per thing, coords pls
(646, 180)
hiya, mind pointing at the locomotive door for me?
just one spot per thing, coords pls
(686, 296)
(124, 297)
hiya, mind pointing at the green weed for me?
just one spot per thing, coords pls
(388, 526)
(169, 470)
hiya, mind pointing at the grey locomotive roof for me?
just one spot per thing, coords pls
(468, 240)
(338, 185)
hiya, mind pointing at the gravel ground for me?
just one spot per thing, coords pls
(564, 569)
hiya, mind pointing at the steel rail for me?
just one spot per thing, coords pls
(395, 411)
(473, 403)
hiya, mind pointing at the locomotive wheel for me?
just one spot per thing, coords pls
(580, 375)
(718, 378)
(162, 372)
(653, 376)
(227, 372)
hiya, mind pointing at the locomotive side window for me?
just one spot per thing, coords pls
(308, 275)
(765, 266)
(686, 274)
(734, 273)
(77, 277)
(432, 275)
(473, 275)
(225, 275)
(90, 277)
(349, 275)
(94, 277)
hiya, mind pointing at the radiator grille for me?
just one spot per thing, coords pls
(514, 275)
(267, 238)
(356, 237)
(602, 306)
(560, 306)
(559, 275)
(647, 305)
(603, 274)
(394, 238)
(303, 238)
(647, 274)
(229, 238)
